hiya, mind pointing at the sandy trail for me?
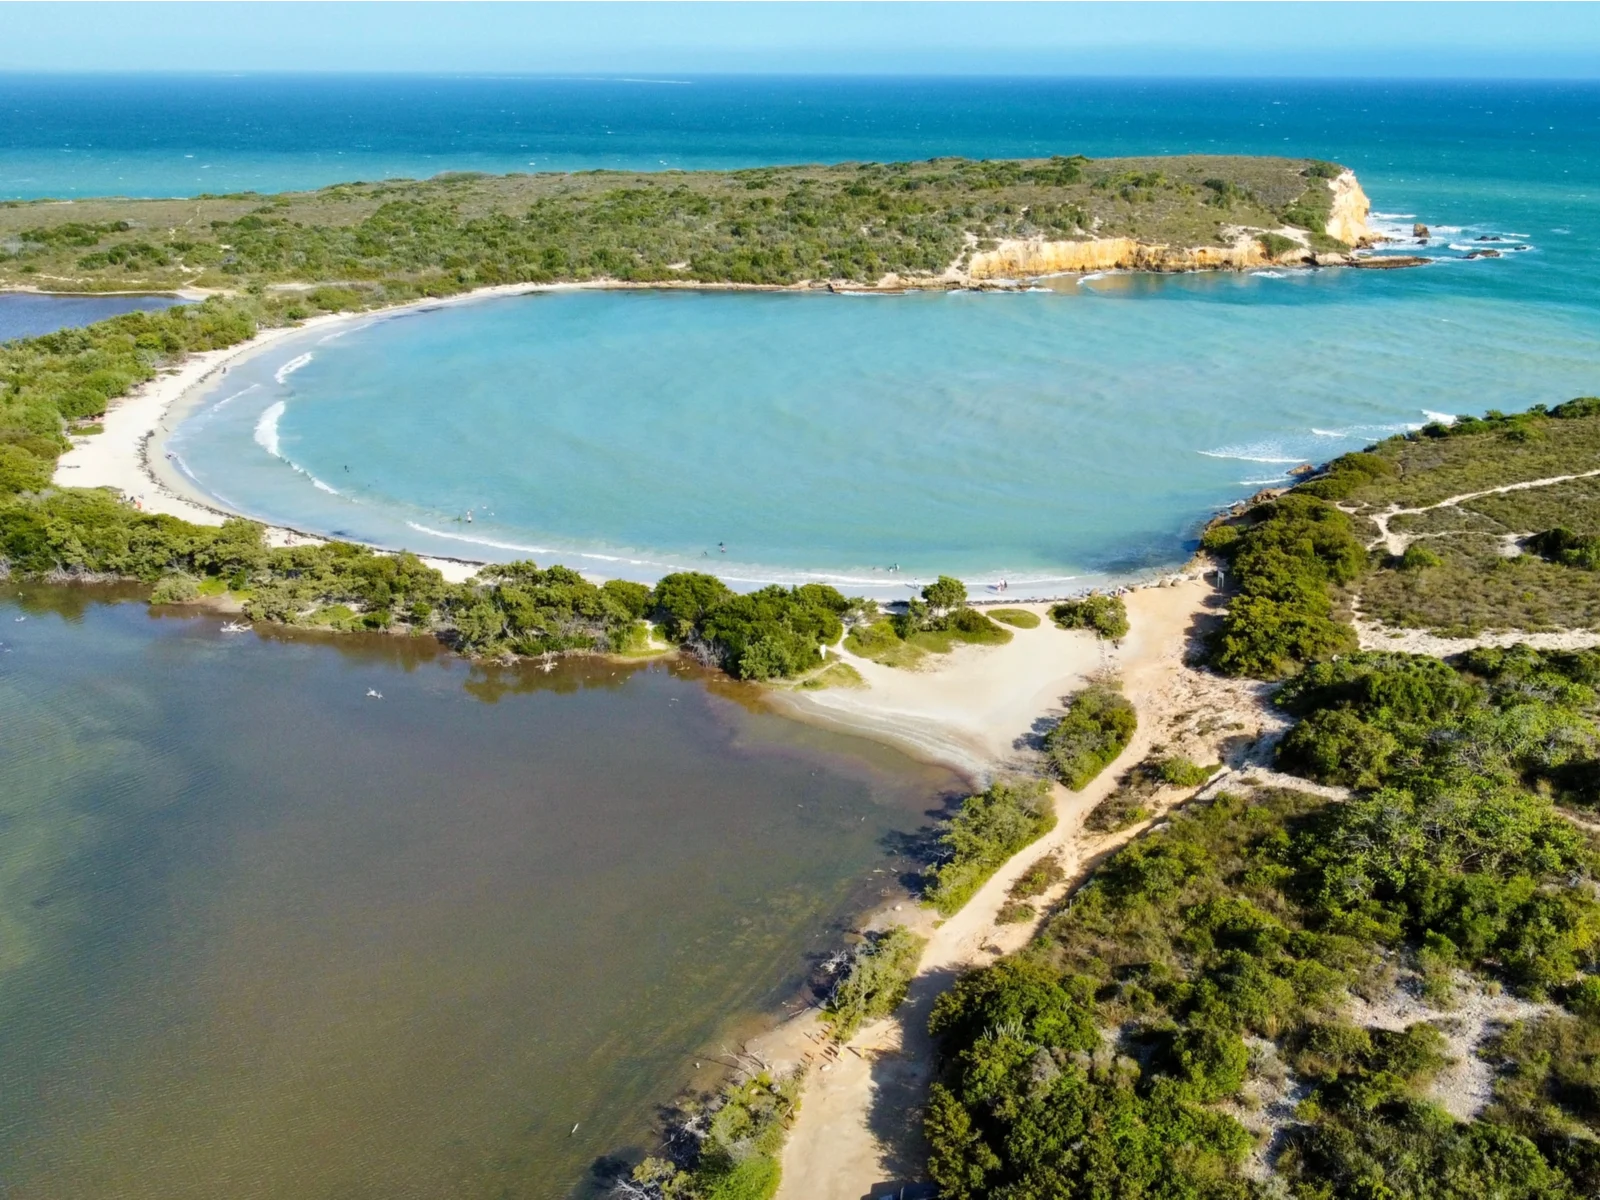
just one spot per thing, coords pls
(858, 1130)
(1396, 543)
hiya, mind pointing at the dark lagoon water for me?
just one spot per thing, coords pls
(262, 936)
(27, 314)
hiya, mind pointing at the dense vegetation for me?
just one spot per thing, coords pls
(1216, 956)
(1130, 801)
(989, 828)
(771, 225)
(1106, 615)
(1284, 557)
(726, 1149)
(1519, 559)
(874, 982)
(1097, 726)
(1495, 718)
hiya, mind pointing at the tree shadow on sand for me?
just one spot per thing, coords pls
(900, 1080)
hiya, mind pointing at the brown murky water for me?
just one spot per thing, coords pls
(264, 936)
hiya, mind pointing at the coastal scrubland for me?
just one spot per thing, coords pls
(1485, 523)
(1276, 992)
(382, 242)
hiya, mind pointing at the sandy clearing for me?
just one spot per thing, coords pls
(973, 708)
(858, 1131)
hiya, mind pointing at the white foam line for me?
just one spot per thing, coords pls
(339, 333)
(1255, 458)
(266, 434)
(289, 368)
(234, 397)
(1439, 417)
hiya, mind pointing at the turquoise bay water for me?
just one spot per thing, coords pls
(1041, 438)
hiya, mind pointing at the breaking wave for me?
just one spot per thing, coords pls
(282, 374)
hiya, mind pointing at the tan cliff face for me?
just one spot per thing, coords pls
(1348, 220)
(1014, 258)
(1035, 256)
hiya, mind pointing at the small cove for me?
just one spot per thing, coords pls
(266, 936)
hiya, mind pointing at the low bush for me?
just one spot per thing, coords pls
(175, 589)
(1097, 726)
(875, 982)
(728, 1149)
(1558, 545)
(1106, 615)
(988, 830)
(1038, 879)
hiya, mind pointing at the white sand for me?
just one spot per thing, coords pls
(968, 708)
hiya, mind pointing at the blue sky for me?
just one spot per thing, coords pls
(1366, 39)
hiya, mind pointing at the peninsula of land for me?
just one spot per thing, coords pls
(942, 223)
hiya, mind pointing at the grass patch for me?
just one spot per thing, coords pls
(1038, 879)
(1021, 618)
(989, 829)
(880, 643)
(835, 675)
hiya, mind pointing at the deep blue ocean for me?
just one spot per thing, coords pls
(1068, 433)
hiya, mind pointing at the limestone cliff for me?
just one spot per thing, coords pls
(1019, 257)
(1348, 219)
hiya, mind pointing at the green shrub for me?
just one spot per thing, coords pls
(1177, 771)
(875, 981)
(175, 589)
(771, 633)
(1039, 878)
(1097, 726)
(1336, 746)
(1419, 558)
(1106, 615)
(989, 829)
(1015, 912)
(21, 471)
(1282, 567)
(1567, 548)
(1275, 244)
